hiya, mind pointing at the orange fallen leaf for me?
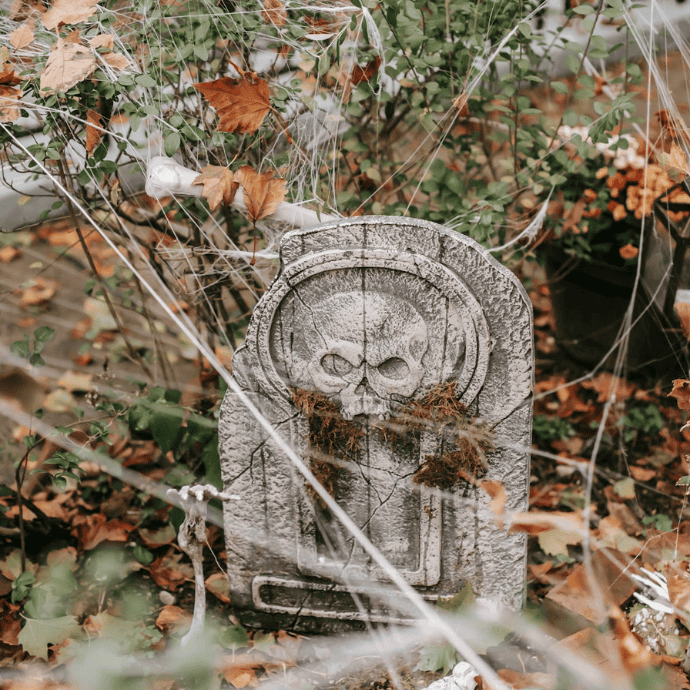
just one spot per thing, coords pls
(681, 392)
(360, 74)
(22, 36)
(274, 12)
(642, 474)
(153, 538)
(9, 630)
(96, 529)
(68, 12)
(263, 193)
(497, 505)
(8, 253)
(220, 185)
(94, 131)
(39, 293)
(676, 158)
(173, 619)
(169, 573)
(606, 384)
(529, 680)
(117, 61)
(23, 9)
(9, 95)
(68, 64)
(242, 104)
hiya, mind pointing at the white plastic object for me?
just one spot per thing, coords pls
(462, 678)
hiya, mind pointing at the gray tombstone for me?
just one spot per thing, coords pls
(372, 313)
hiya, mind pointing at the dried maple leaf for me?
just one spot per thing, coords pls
(96, 529)
(94, 131)
(68, 64)
(173, 619)
(68, 12)
(23, 35)
(274, 12)
(681, 392)
(359, 75)
(242, 104)
(263, 193)
(220, 185)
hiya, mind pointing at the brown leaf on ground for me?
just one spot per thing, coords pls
(219, 586)
(73, 381)
(274, 12)
(676, 158)
(10, 96)
(678, 580)
(9, 630)
(220, 185)
(242, 104)
(173, 619)
(605, 384)
(529, 680)
(23, 9)
(681, 392)
(9, 253)
(23, 35)
(682, 309)
(263, 193)
(39, 293)
(635, 654)
(642, 474)
(117, 61)
(239, 669)
(577, 594)
(68, 12)
(94, 130)
(103, 41)
(68, 64)
(497, 505)
(169, 573)
(96, 529)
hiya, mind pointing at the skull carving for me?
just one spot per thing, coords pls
(370, 352)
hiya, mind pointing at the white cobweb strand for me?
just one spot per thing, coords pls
(191, 538)
(165, 177)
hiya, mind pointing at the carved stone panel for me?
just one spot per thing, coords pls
(369, 315)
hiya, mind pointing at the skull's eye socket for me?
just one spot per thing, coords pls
(335, 365)
(394, 368)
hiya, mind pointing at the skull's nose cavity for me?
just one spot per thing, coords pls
(363, 388)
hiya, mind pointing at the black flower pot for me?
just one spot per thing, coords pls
(589, 300)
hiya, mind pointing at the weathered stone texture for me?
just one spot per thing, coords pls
(374, 312)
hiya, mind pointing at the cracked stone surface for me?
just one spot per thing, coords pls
(373, 312)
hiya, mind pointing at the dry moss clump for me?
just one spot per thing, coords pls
(331, 437)
(441, 411)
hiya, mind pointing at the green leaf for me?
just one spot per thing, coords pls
(37, 634)
(211, 459)
(625, 488)
(171, 143)
(43, 334)
(166, 428)
(584, 9)
(142, 554)
(559, 87)
(234, 638)
(437, 657)
(573, 63)
(139, 418)
(525, 29)
(684, 481)
(20, 348)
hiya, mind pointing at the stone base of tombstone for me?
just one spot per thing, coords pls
(369, 317)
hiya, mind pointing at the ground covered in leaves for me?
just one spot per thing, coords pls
(93, 559)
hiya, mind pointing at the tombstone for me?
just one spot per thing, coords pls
(371, 314)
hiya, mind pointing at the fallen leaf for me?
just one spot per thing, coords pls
(676, 158)
(611, 533)
(220, 185)
(9, 630)
(634, 654)
(238, 670)
(642, 474)
(23, 9)
(555, 541)
(96, 529)
(682, 309)
(72, 381)
(173, 619)
(678, 580)
(460, 103)
(219, 586)
(529, 680)
(10, 96)
(11, 565)
(274, 12)
(22, 36)
(8, 253)
(99, 313)
(611, 586)
(59, 401)
(68, 12)
(681, 392)
(68, 64)
(40, 292)
(94, 130)
(117, 61)
(158, 537)
(37, 634)
(262, 192)
(242, 104)
(169, 573)
(497, 505)
(606, 384)
(103, 41)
